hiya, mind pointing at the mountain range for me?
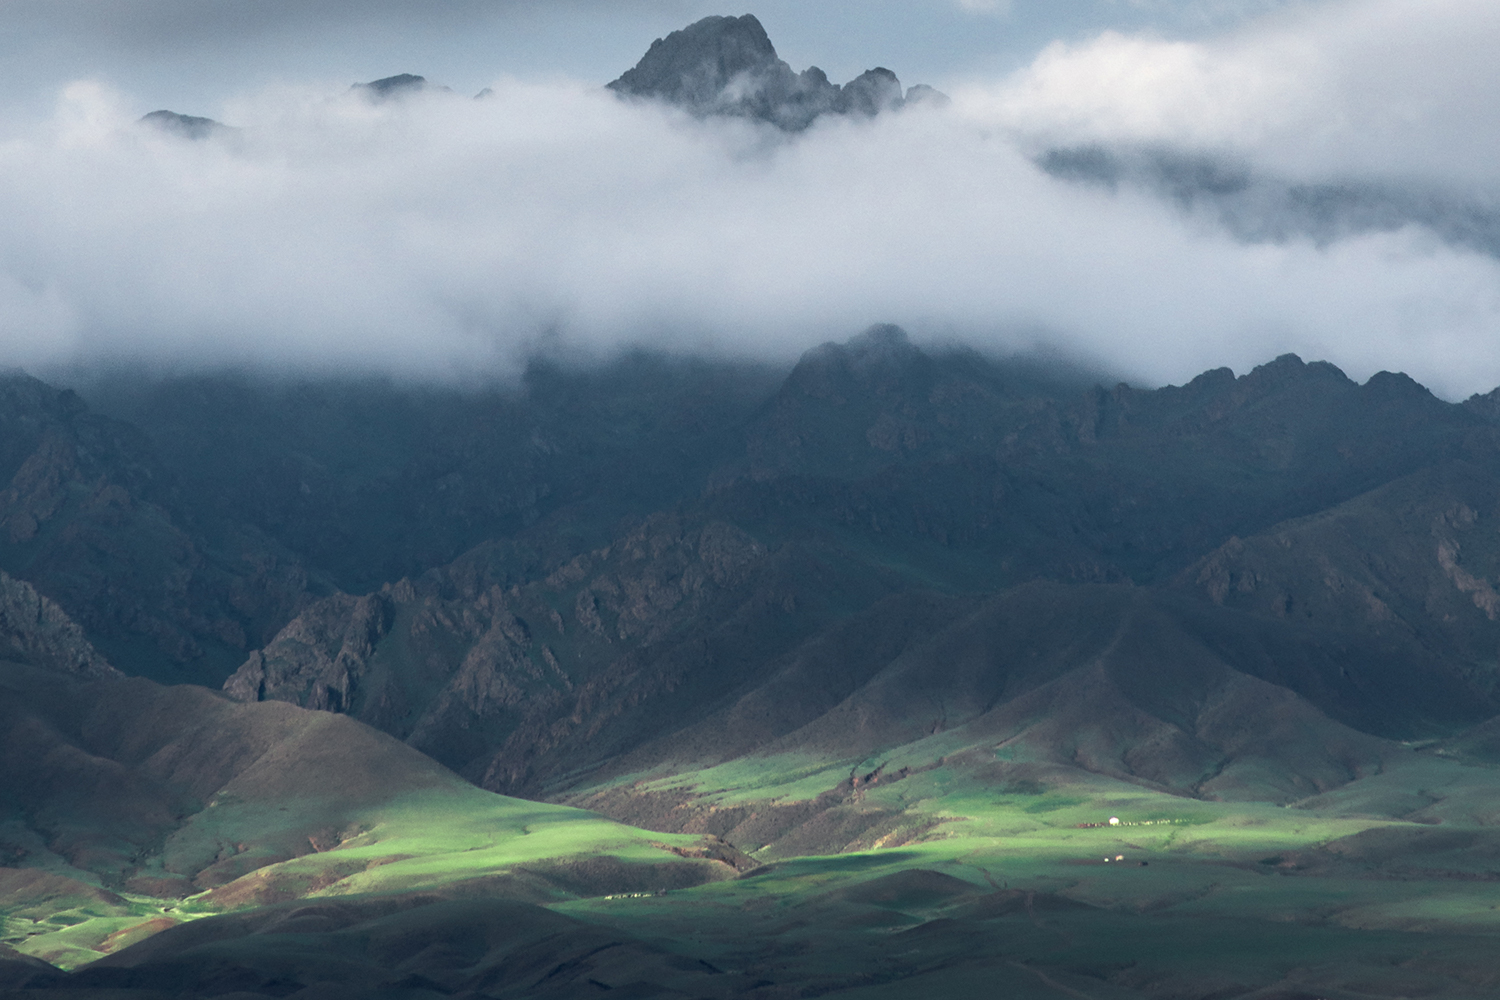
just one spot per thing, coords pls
(760, 616)
(903, 670)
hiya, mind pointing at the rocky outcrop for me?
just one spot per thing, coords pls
(319, 658)
(504, 684)
(35, 630)
(728, 66)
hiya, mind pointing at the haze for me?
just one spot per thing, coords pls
(440, 235)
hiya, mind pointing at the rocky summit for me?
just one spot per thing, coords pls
(728, 66)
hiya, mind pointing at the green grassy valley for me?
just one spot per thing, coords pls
(943, 869)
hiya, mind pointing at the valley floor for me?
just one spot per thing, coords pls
(1054, 882)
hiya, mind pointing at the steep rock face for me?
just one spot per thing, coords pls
(509, 686)
(319, 657)
(728, 66)
(33, 629)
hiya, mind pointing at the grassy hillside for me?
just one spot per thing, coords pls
(126, 808)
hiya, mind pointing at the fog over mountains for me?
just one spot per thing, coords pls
(728, 66)
(1153, 206)
(727, 533)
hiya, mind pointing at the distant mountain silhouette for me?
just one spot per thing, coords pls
(728, 66)
(390, 87)
(186, 126)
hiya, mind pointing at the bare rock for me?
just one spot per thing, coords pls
(34, 630)
(728, 66)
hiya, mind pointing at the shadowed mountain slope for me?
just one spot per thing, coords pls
(34, 630)
(1108, 679)
(1409, 565)
(91, 517)
(372, 481)
(885, 611)
(882, 490)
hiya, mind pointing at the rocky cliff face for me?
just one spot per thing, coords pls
(509, 684)
(728, 66)
(34, 630)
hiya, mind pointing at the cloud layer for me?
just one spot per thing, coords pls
(440, 235)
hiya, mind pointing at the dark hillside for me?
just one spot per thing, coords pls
(656, 542)
(93, 518)
(634, 565)
(372, 481)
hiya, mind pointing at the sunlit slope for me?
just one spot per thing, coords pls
(128, 806)
(1009, 878)
(1120, 681)
(950, 866)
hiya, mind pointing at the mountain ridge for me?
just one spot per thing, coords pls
(728, 66)
(823, 634)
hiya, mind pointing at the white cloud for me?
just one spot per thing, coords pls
(441, 235)
(1368, 87)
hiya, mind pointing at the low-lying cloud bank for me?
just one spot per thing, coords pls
(438, 235)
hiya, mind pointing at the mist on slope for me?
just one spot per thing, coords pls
(437, 235)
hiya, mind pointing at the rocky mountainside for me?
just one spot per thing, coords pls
(898, 671)
(892, 603)
(91, 518)
(34, 630)
(728, 66)
(623, 595)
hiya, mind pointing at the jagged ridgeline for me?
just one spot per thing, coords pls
(582, 575)
(728, 66)
(716, 66)
(887, 636)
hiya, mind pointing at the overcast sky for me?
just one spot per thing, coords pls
(192, 54)
(442, 235)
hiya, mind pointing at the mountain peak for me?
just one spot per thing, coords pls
(728, 66)
(693, 65)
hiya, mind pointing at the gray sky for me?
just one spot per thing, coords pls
(438, 236)
(189, 55)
